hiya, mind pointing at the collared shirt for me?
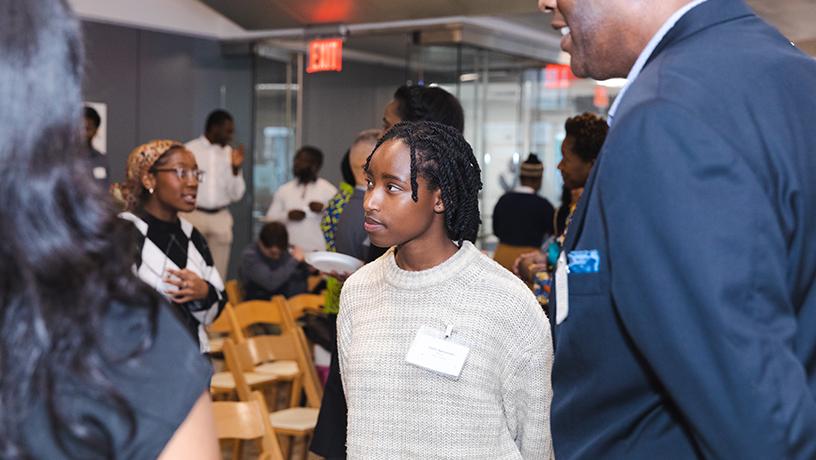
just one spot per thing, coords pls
(293, 195)
(647, 53)
(523, 189)
(220, 186)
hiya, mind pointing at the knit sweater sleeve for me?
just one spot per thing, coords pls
(343, 332)
(527, 396)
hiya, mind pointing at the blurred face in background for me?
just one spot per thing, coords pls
(305, 167)
(390, 116)
(357, 158)
(574, 170)
(221, 134)
(90, 130)
(271, 252)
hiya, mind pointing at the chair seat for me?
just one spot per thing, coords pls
(301, 419)
(225, 380)
(216, 345)
(283, 368)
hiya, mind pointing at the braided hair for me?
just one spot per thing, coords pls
(445, 160)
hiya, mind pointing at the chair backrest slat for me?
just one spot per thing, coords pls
(247, 420)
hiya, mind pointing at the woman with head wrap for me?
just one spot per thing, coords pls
(162, 180)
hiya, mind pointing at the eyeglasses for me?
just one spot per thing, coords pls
(183, 173)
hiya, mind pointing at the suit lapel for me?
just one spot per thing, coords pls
(577, 225)
(701, 17)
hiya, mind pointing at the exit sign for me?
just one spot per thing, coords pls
(325, 55)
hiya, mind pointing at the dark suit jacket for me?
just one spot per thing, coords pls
(697, 337)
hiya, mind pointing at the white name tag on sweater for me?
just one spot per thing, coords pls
(434, 351)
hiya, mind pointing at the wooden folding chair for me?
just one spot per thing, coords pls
(311, 382)
(254, 312)
(247, 420)
(278, 355)
(220, 328)
(224, 382)
(294, 422)
(301, 303)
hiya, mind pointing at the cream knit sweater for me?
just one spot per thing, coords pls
(499, 408)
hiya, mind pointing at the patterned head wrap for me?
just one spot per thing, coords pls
(140, 160)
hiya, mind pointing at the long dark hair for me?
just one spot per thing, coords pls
(65, 255)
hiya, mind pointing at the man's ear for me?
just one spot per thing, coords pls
(439, 205)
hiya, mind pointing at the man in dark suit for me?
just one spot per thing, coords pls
(685, 315)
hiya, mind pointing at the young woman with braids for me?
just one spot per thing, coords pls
(410, 103)
(92, 363)
(443, 353)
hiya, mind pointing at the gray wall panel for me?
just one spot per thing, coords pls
(336, 106)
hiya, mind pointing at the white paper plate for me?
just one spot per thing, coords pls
(328, 262)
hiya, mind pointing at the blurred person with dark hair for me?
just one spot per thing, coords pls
(97, 159)
(225, 185)
(93, 364)
(270, 267)
(429, 103)
(300, 202)
(162, 182)
(522, 219)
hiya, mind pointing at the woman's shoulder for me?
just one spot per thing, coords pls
(369, 274)
(152, 345)
(164, 378)
(137, 221)
(505, 293)
(152, 365)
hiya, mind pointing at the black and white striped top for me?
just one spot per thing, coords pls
(177, 245)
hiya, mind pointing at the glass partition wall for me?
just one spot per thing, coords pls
(276, 95)
(513, 106)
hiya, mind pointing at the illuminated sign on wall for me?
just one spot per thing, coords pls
(558, 76)
(325, 55)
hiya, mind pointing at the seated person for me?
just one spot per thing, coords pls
(522, 219)
(269, 268)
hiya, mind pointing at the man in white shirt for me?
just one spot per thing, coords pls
(300, 202)
(223, 184)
